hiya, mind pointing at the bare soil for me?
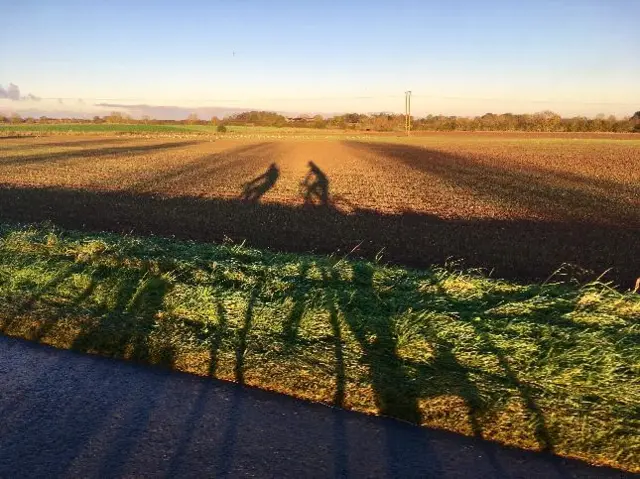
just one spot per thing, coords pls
(519, 205)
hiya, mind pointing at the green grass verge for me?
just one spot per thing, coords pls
(538, 366)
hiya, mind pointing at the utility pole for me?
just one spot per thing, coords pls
(407, 112)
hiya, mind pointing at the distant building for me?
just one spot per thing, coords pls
(299, 119)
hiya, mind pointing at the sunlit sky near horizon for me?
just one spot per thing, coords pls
(460, 57)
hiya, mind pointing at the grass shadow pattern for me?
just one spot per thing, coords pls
(487, 358)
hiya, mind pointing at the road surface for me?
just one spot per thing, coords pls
(64, 414)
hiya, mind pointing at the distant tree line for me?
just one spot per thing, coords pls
(545, 121)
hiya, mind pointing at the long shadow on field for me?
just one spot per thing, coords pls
(316, 185)
(256, 188)
(539, 190)
(23, 160)
(200, 169)
(32, 143)
(522, 249)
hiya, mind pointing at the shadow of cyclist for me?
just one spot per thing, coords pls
(256, 188)
(316, 186)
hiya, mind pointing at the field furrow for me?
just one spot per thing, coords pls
(520, 207)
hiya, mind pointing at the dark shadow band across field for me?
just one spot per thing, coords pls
(67, 143)
(540, 191)
(517, 249)
(199, 170)
(128, 150)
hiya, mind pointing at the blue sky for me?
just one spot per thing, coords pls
(458, 57)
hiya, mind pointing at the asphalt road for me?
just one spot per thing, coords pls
(64, 414)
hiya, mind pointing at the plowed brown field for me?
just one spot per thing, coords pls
(520, 206)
